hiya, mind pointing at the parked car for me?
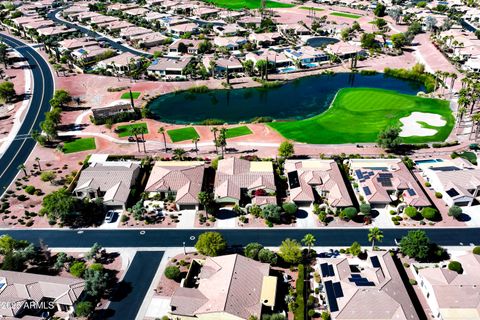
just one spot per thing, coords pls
(131, 139)
(110, 216)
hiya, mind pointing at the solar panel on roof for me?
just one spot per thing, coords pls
(293, 179)
(411, 192)
(359, 174)
(367, 191)
(337, 288)
(332, 300)
(330, 270)
(375, 262)
(324, 269)
(452, 192)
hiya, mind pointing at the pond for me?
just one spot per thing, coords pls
(298, 99)
(318, 42)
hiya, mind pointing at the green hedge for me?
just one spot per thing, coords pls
(299, 313)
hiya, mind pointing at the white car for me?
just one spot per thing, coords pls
(109, 217)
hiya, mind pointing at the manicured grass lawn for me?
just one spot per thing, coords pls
(78, 145)
(238, 131)
(183, 134)
(312, 8)
(126, 95)
(126, 130)
(470, 156)
(359, 114)
(345, 15)
(250, 4)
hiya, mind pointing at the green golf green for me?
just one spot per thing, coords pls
(249, 4)
(126, 95)
(238, 131)
(126, 130)
(345, 15)
(183, 134)
(78, 145)
(359, 114)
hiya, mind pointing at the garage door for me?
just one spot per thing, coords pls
(112, 207)
(187, 207)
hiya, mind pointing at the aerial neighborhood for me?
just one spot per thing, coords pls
(240, 159)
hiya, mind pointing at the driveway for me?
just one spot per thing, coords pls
(131, 291)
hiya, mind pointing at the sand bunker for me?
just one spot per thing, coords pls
(411, 127)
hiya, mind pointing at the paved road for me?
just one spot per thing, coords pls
(234, 237)
(93, 34)
(43, 85)
(131, 291)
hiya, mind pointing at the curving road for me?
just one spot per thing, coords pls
(117, 46)
(235, 237)
(43, 86)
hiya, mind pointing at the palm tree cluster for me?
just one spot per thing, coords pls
(467, 101)
(441, 77)
(220, 139)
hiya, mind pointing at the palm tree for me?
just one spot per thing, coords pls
(142, 131)
(475, 124)
(222, 139)
(179, 154)
(162, 131)
(453, 77)
(309, 240)
(215, 130)
(22, 167)
(195, 141)
(460, 113)
(37, 159)
(136, 131)
(375, 234)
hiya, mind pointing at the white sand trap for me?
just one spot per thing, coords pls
(411, 127)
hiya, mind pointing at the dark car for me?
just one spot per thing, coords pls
(131, 139)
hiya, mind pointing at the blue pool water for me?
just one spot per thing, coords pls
(428, 161)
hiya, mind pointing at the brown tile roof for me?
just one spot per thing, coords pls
(234, 174)
(230, 283)
(183, 177)
(322, 175)
(23, 287)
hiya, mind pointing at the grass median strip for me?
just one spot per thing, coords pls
(183, 134)
(126, 130)
(357, 115)
(238, 131)
(312, 8)
(80, 144)
(135, 94)
(249, 4)
(345, 15)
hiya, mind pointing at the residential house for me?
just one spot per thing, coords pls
(451, 295)
(366, 289)
(55, 31)
(344, 50)
(307, 56)
(149, 40)
(294, 28)
(182, 29)
(180, 180)
(221, 64)
(76, 43)
(168, 67)
(230, 287)
(111, 181)
(231, 43)
(238, 180)
(90, 54)
(228, 30)
(457, 180)
(130, 32)
(311, 181)
(112, 109)
(20, 292)
(206, 12)
(266, 39)
(185, 46)
(278, 59)
(119, 64)
(383, 181)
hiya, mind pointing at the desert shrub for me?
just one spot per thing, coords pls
(411, 212)
(429, 213)
(30, 189)
(172, 272)
(455, 266)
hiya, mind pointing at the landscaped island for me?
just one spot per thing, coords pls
(359, 114)
(249, 4)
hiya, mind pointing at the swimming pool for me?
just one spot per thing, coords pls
(287, 69)
(426, 161)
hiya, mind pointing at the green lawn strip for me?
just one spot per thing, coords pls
(183, 134)
(78, 145)
(238, 131)
(345, 15)
(249, 4)
(357, 115)
(126, 95)
(468, 155)
(312, 8)
(126, 130)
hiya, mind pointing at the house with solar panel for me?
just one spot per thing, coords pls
(385, 182)
(457, 180)
(354, 288)
(316, 181)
